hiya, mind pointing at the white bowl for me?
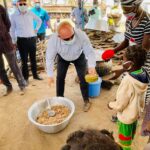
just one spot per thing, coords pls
(39, 106)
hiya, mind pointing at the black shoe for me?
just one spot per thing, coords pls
(38, 78)
(9, 89)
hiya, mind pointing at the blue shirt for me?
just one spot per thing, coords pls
(44, 17)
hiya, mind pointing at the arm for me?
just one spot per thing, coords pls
(146, 38)
(5, 18)
(146, 42)
(123, 96)
(50, 56)
(89, 51)
(48, 22)
(12, 30)
(49, 25)
(122, 46)
(38, 20)
(117, 74)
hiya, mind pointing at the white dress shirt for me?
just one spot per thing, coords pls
(69, 52)
(22, 25)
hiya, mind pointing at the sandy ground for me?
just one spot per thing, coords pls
(17, 133)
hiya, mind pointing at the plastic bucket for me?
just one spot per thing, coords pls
(95, 88)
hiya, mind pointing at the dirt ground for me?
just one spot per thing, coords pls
(17, 133)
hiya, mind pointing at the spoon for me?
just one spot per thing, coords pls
(51, 113)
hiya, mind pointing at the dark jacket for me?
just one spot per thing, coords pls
(6, 45)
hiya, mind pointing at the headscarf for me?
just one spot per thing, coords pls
(131, 3)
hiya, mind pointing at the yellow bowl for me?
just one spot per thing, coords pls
(91, 78)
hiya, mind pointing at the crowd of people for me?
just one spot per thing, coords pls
(23, 28)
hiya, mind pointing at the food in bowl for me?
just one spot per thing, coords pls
(61, 113)
(91, 78)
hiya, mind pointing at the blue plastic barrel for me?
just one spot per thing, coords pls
(95, 88)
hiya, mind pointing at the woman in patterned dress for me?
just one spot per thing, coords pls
(137, 32)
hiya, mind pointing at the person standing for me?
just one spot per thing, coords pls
(57, 22)
(137, 28)
(71, 46)
(24, 35)
(79, 16)
(41, 13)
(95, 12)
(114, 16)
(6, 48)
(95, 16)
(130, 95)
(137, 33)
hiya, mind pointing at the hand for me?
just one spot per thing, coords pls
(91, 71)
(117, 74)
(14, 47)
(50, 81)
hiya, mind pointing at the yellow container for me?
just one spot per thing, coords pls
(111, 21)
(91, 78)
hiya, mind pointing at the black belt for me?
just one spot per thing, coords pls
(26, 38)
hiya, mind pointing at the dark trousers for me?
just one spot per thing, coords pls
(41, 36)
(11, 58)
(62, 67)
(27, 47)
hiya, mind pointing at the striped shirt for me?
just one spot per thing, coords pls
(69, 52)
(138, 32)
(136, 35)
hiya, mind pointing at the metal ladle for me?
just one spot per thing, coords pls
(51, 113)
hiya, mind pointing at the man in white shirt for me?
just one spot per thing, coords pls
(72, 46)
(24, 35)
(79, 16)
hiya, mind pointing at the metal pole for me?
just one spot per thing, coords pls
(82, 8)
(5, 3)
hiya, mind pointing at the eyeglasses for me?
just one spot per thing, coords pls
(70, 38)
(21, 4)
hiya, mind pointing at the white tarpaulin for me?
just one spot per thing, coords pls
(100, 25)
